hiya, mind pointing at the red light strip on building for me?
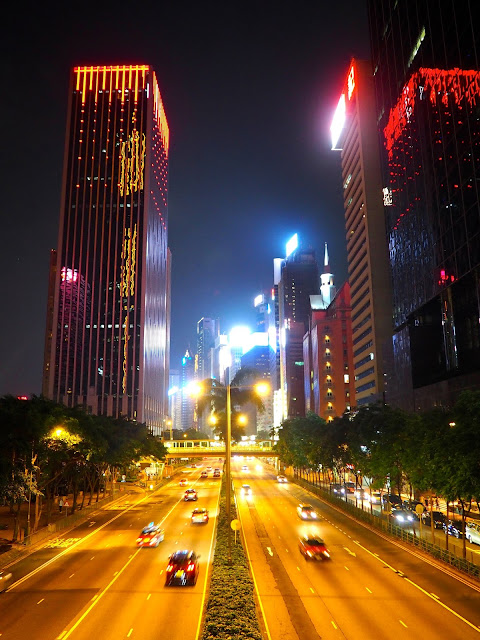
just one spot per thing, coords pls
(127, 76)
(159, 113)
(435, 85)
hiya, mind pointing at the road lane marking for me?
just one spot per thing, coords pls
(312, 590)
(334, 625)
(401, 622)
(352, 553)
(298, 568)
(92, 558)
(368, 590)
(71, 576)
(68, 633)
(270, 551)
(346, 568)
(130, 632)
(435, 596)
(417, 586)
(91, 523)
(40, 600)
(149, 596)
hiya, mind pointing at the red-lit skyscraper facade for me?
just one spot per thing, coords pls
(108, 349)
(427, 81)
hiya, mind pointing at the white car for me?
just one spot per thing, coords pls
(244, 468)
(472, 532)
(246, 490)
(282, 478)
(200, 516)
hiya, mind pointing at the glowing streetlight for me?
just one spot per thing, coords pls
(261, 388)
(242, 419)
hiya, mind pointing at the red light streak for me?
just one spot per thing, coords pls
(435, 85)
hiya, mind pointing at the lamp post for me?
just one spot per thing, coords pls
(228, 471)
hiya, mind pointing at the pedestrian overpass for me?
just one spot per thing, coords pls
(216, 448)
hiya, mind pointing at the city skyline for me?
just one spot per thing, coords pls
(249, 156)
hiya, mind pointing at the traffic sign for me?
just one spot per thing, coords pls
(66, 503)
(235, 524)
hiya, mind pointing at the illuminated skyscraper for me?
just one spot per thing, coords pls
(354, 132)
(426, 67)
(108, 330)
(299, 279)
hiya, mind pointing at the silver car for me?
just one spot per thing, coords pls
(5, 580)
(472, 532)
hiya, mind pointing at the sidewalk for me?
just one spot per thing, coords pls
(7, 519)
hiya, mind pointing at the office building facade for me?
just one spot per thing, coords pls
(354, 133)
(328, 357)
(427, 78)
(299, 279)
(107, 348)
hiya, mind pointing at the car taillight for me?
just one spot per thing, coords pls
(139, 539)
(190, 567)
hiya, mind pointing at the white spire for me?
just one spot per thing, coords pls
(325, 262)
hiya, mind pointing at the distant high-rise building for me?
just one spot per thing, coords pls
(187, 375)
(299, 280)
(207, 331)
(108, 327)
(427, 78)
(354, 133)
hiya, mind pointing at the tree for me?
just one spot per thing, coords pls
(213, 399)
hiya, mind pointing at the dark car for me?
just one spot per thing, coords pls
(412, 504)
(337, 489)
(439, 519)
(216, 473)
(190, 494)
(204, 474)
(313, 548)
(402, 517)
(454, 528)
(182, 569)
(392, 499)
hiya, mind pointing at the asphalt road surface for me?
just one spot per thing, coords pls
(371, 589)
(95, 582)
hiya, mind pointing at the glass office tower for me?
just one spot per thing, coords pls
(427, 80)
(108, 330)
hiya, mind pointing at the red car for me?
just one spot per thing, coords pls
(313, 548)
(190, 494)
(150, 536)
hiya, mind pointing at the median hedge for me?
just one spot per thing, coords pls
(230, 612)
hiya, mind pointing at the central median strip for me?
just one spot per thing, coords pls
(230, 611)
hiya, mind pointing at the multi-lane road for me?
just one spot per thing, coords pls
(94, 581)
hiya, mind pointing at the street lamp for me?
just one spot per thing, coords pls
(261, 388)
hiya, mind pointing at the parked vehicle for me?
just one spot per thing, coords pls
(453, 528)
(439, 519)
(472, 532)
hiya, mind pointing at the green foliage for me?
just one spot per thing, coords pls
(44, 444)
(438, 450)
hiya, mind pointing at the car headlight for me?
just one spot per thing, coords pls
(400, 518)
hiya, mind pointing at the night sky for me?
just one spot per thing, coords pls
(249, 91)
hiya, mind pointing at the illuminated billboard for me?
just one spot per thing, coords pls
(291, 245)
(339, 117)
(338, 123)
